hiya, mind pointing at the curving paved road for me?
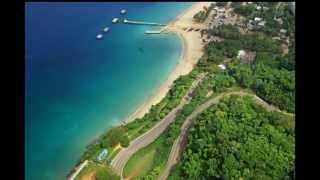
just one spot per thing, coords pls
(148, 137)
(179, 143)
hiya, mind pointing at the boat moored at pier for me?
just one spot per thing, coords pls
(123, 11)
(106, 29)
(99, 36)
(115, 20)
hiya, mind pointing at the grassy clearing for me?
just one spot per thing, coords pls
(141, 162)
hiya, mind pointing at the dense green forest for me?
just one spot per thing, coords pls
(238, 139)
(271, 75)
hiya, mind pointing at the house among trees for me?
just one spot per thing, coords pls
(276, 38)
(241, 53)
(279, 20)
(250, 25)
(283, 31)
(262, 23)
(214, 38)
(258, 19)
(222, 66)
(246, 56)
(102, 155)
(244, 3)
(265, 8)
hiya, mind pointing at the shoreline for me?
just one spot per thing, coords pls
(191, 52)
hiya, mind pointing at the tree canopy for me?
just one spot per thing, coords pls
(238, 139)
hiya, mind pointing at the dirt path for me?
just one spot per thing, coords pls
(123, 156)
(180, 142)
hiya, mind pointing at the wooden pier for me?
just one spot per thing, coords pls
(142, 23)
(153, 31)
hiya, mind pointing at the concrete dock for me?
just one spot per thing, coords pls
(142, 23)
(153, 31)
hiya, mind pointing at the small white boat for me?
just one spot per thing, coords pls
(123, 11)
(125, 21)
(99, 36)
(115, 20)
(106, 29)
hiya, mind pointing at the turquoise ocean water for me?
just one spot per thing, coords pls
(77, 87)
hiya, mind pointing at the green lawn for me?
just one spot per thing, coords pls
(141, 162)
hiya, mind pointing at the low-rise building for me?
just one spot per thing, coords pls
(257, 19)
(283, 31)
(279, 20)
(276, 38)
(102, 155)
(250, 25)
(265, 8)
(262, 23)
(246, 56)
(241, 53)
(222, 66)
(293, 7)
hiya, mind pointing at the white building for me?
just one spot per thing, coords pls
(250, 25)
(265, 8)
(293, 7)
(262, 23)
(102, 155)
(241, 53)
(283, 31)
(258, 8)
(222, 66)
(276, 38)
(257, 19)
(279, 20)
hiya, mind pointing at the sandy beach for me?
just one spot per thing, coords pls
(192, 50)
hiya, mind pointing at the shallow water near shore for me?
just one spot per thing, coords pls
(76, 86)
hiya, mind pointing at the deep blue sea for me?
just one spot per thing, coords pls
(76, 86)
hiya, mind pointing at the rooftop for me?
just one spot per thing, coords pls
(102, 155)
(222, 66)
(257, 18)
